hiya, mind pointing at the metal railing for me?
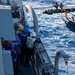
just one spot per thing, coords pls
(40, 61)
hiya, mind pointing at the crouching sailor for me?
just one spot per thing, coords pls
(30, 47)
(23, 33)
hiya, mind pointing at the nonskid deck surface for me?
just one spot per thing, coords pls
(25, 70)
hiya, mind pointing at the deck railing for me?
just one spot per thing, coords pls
(40, 61)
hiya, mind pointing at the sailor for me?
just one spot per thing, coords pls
(61, 5)
(56, 6)
(30, 47)
(23, 33)
(14, 7)
(17, 48)
(15, 10)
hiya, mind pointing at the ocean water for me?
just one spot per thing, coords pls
(55, 36)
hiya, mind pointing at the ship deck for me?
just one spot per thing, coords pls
(25, 70)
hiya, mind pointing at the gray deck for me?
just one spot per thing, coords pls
(25, 70)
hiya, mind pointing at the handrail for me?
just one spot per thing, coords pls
(51, 70)
(58, 55)
(34, 18)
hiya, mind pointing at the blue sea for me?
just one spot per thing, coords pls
(55, 36)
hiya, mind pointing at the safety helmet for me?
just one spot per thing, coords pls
(33, 34)
(20, 28)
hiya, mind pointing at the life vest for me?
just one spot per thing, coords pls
(24, 34)
(30, 42)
